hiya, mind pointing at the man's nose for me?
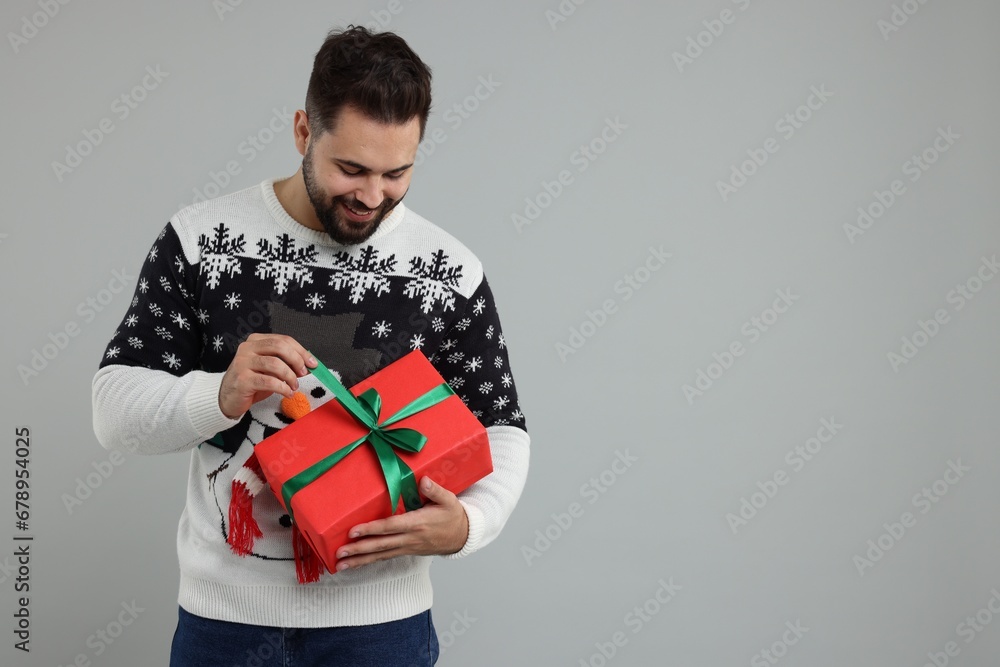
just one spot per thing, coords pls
(370, 193)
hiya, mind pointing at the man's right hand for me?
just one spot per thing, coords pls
(264, 364)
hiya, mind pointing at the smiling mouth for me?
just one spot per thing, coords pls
(359, 215)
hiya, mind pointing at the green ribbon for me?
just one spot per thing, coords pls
(365, 408)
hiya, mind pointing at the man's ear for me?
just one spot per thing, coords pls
(300, 130)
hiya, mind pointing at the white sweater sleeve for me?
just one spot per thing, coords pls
(147, 411)
(489, 502)
(477, 365)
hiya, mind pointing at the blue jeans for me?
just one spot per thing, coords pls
(206, 642)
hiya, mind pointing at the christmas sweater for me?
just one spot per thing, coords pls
(238, 264)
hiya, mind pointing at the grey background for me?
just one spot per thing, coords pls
(656, 184)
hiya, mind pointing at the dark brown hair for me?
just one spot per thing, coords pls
(377, 73)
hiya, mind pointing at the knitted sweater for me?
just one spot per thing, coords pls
(222, 269)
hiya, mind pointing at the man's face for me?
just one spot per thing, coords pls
(356, 175)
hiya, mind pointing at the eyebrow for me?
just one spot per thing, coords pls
(361, 167)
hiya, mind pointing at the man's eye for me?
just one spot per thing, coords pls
(350, 173)
(395, 177)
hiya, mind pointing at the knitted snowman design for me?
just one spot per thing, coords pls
(252, 502)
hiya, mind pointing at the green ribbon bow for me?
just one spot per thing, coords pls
(365, 409)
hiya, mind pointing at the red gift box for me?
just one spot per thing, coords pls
(455, 455)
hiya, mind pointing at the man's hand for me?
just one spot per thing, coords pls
(264, 364)
(439, 527)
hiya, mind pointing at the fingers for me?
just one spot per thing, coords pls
(274, 367)
(275, 355)
(264, 364)
(399, 523)
(265, 384)
(384, 539)
(284, 347)
(437, 493)
(432, 529)
(372, 545)
(371, 557)
(414, 519)
(426, 531)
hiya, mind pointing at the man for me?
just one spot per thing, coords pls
(234, 298)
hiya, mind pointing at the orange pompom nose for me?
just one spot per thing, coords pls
(296, 405)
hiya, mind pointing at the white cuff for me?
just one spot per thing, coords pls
(477, 524)
(202, 403)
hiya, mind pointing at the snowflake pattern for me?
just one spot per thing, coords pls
(179, 320)
(433, 281)
(284, 263)
(467, 346)
(219, 255)
(474, 346)
(316, 300)
(153, 252)
(362, 274)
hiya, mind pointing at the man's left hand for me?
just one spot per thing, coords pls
(439, 527)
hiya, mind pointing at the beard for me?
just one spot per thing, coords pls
(328, 210)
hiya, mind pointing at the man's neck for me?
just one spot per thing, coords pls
(292, 196)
